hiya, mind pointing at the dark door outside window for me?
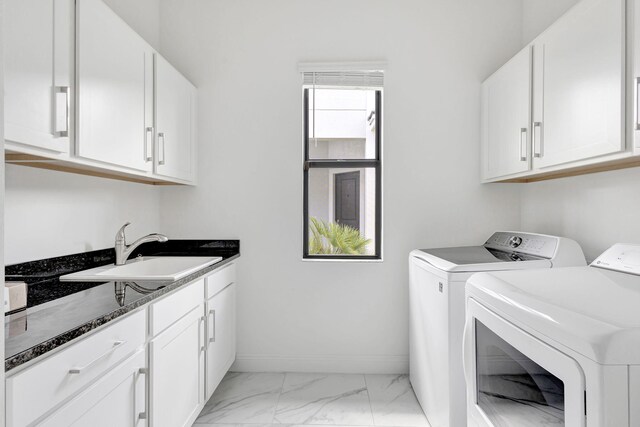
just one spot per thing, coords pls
(347, 199)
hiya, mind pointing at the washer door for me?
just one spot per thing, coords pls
(515, 379)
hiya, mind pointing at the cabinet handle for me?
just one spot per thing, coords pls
(537, 142)
(212, 313)
(115, 346)
(202, 321)
(161, 141)
(141, 415)
(637, 124)
(148, 136)
(523, 144)
(61, 127)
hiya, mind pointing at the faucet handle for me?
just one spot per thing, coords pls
(161, 237)
(120, 237)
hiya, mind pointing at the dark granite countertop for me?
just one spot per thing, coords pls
(59, 312)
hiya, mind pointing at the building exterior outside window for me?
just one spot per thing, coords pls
(342, 168)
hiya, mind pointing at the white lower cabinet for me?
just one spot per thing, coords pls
(190, 357)
(117, 399)
(33, 393)
(177, 372)
(221, 336)
(155, 367)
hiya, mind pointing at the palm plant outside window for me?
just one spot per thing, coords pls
(342, 165)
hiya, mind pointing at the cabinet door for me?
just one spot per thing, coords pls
(578, 103)
(117, 399)
(177, 372)
(506, 100)
(115, 89)
(221, 336)
(38, 64)
(175, 118)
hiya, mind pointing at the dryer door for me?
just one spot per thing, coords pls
(515, 379)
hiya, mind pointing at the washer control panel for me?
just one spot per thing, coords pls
(515, 241)
(620, 257)
(539, 245)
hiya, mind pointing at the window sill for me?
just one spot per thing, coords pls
(355, 260)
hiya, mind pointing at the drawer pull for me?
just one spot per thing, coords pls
(97, 359)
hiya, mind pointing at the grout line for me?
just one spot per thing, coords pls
(373, 419)
(275, 409)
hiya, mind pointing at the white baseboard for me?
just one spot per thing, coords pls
(322, 364)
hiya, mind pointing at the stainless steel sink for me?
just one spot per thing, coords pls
(144, 268)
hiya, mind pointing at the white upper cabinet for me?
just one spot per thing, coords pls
(82, 89)
(38, 50)
(558, 107)
(578, 86)
(175, 119)
(115, 89)
(506, 118)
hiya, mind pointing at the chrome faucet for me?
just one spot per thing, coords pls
(123, 250)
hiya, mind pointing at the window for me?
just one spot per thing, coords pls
(342, 165)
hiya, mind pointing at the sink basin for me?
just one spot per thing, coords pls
(144, 268)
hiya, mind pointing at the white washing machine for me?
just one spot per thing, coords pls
(436, 293)
(556, 347)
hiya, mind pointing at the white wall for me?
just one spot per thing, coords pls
(537, 15)
(141, 15)
(52, 213)
(243, 56)
(596, 210)
(49, 213)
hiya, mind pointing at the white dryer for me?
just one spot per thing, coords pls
(436, 310)
(556, 347)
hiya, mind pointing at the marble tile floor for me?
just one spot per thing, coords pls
(294, 399)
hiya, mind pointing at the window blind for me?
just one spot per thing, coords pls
(369, 79)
